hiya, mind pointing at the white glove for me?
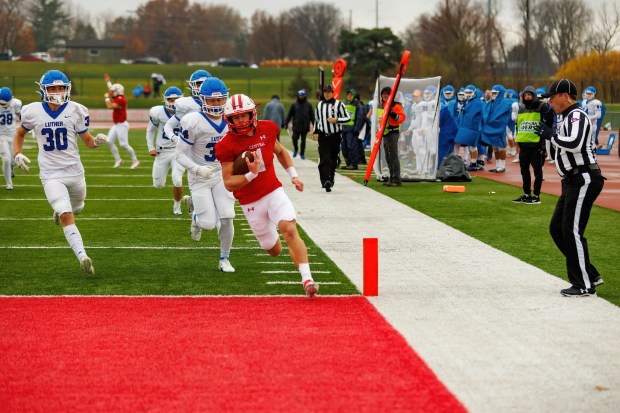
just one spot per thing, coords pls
(174, 139)
(21, 160)
(205, 171)
(100, 139)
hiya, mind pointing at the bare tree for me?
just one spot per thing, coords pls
(558, 22)
(603, 36)
(319, 25)
(272, 37)
(456, 34)
(11, 24)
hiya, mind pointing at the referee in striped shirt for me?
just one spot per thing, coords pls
(330, 115)
(582, 182)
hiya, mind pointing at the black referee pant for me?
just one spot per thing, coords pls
(568, 223)
(531, 155)
(329, 148)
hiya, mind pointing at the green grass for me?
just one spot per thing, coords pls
(88, 86)
(485, 212)
(134, 255)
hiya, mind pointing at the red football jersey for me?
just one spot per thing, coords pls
(263, 142)
(119, 115)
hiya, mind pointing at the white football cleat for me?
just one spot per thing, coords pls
(56, 218)
(86, 264)
(118, 163)
(225, 265)
(134, 164)
(9, 187)
(190, 204)
(195, 231)
(176, 209)
(311, 288)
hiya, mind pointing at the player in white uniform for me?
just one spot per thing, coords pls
(163, 149)
(594, 109)
(56, 123)
(195, 150)
(10, 108)
(183, 106)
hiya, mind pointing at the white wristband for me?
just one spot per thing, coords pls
(292, 172)
(250, 176)
(107, 100)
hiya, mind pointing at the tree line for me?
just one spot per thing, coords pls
(461, 40)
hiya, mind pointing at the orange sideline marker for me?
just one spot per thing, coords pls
(454, 188)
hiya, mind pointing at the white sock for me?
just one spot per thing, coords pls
(304, 270)
(6, 170)
(74, 238)
(226, 234)
(177, 203)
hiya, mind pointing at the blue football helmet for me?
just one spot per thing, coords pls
(210, 89)
(5, 96)
(497, 90)
(590, 92)
(470, 92)
(448, 92)
(54, 78)
(171, 95)
(430, 93)
(510, 94)
(196, 79)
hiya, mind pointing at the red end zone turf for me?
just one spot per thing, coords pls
(209, 354)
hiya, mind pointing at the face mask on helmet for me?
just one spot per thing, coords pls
(237, 105)
(55, 87)
(429, 93)
(448, 94)
(494, 94)
(196, 79)
(590, 92)
(460, 96)
(213, 95)
(469, 94)
(117, 89)
(171, 95)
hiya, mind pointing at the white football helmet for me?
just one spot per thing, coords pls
(117, 89)
(236, 105)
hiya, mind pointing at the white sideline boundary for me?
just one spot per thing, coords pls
(493, 328)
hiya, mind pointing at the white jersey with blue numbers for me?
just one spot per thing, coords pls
(158, 116)
(56, 134)
(202, 133)
(9, 119)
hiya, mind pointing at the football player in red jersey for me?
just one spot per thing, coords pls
(116, 101)
(265, 204)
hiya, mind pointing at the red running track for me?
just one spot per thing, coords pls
(262, 354)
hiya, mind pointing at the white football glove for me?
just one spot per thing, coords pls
(100, 139)
(205, 171)
(174, 139)
(21, 160)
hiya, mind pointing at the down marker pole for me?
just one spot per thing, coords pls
(371, 267)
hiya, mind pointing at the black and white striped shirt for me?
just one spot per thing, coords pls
(330, 109)
(574, 141)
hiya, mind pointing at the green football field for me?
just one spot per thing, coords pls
(137, 245)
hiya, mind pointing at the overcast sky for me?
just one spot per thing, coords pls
(397, 14)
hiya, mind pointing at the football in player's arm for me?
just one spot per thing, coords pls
(265, 205)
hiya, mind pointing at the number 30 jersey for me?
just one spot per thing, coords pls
(56, 134)
(202, 133)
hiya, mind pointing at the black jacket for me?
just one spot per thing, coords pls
(302, 114)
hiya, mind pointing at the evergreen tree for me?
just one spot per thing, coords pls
(49, 22)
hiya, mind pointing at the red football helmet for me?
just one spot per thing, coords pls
(236, 105)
